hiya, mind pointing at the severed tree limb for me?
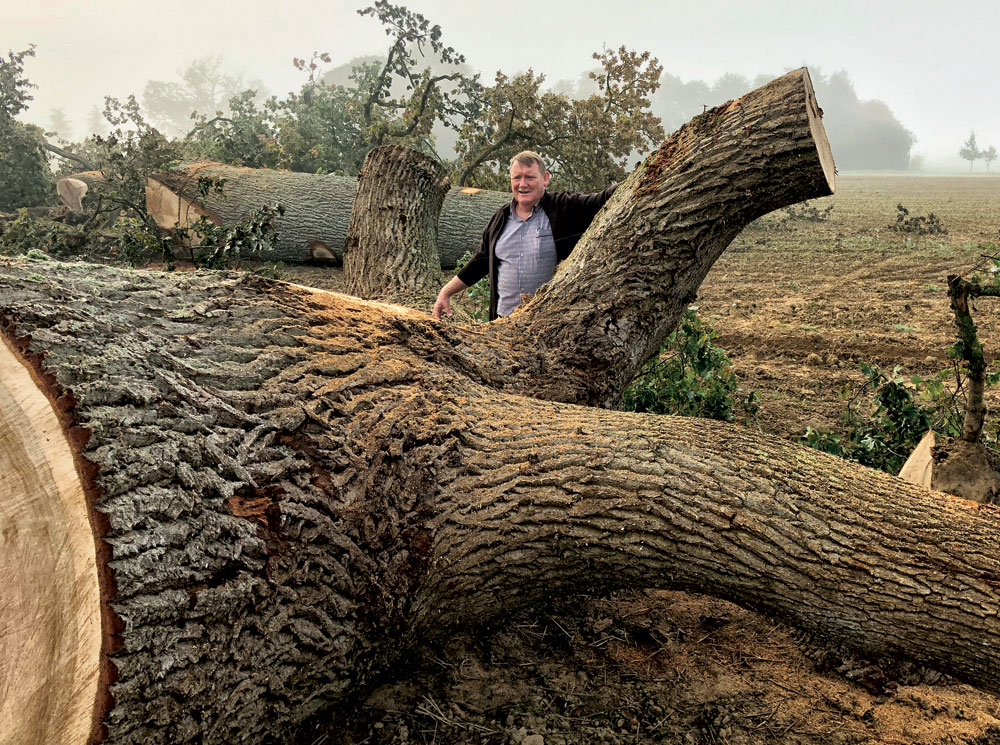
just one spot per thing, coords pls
(295, 487)
(317, 207)
(298, 486)
(621, 292)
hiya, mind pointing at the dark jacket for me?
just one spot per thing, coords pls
(569, 213)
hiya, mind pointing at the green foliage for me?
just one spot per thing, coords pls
(246, 137)
(25, 234)
(137, 244)
(690, 376)
(918, 224)
(25, 179)
(218, 246)
(902, 412)
(126, 156)
(478, 294)
(586, 141)
(208, 246)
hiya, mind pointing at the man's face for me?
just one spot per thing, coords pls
(528, 184)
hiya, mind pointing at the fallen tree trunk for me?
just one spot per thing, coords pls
(317, 208)
(287, 489)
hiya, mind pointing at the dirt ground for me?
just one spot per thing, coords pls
(798, 305)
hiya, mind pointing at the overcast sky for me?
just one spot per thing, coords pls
(935, 63)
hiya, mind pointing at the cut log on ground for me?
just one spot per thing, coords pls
(72, 189)
(288, 489)
(317, 207)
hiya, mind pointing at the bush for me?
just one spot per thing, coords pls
(690, 376)
(904, 409)
(26, 233)
(929, 225)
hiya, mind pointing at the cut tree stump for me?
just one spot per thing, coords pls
(287, 490)
(955, 466)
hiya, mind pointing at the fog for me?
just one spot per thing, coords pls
(935, 64)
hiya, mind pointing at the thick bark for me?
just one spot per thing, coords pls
(392, 242)
(296, 486)
(317, 207)
(299, 485)
(629, 279)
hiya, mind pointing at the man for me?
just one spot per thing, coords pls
(525, 239)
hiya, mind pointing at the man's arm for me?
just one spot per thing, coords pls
(593, 202)
(443, 302)
(477, 268)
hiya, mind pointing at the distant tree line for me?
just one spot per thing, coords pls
(420, 93)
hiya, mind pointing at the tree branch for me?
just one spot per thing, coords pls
(68, 155)
(630, 277)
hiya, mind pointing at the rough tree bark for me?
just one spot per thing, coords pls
(289, 488)
(317, 207)
(392, 242)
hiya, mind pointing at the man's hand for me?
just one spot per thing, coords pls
(442, 305)
(443, 302)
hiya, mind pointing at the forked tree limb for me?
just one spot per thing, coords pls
(623, 289)
(297, 486)
(300, 485)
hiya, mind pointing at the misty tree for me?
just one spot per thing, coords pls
(204, 86)
(730, 86)
(989, 155)
(970, 150)
(59, 124)
(96, 123)
(25, 179)
(586, 141)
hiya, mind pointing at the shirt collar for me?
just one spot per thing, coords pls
(538, 205)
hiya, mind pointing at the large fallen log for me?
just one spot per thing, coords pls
(317, 208)
(278, 491)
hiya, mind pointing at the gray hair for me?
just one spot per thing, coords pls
(526, 158)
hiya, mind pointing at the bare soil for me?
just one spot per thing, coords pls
(798, 305)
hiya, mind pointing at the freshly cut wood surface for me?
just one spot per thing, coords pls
(50, 601)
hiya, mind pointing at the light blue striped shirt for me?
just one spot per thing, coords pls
(526, 255)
